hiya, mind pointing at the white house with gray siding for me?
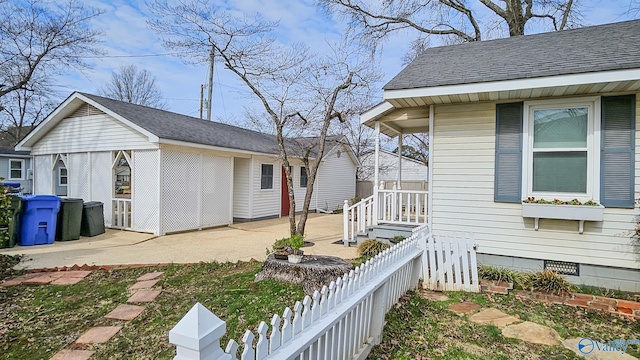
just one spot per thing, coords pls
(553, 115)
(15, 167)
(161, 172)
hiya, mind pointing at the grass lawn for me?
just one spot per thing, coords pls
(418, 328)
(38, 321)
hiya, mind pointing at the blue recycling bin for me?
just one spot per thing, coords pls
(39, 219)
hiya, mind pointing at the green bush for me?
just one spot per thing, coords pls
(296, 242)
(495, 273)
(547, 281)
(370, 248)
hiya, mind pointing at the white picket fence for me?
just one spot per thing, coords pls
(342, 321)
(449, 263)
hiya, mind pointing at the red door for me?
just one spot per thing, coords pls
(285, 206)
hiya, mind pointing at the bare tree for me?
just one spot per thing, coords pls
(294, 87)
(25, 109)
(452, 20)
(135, 86)
(41, 38)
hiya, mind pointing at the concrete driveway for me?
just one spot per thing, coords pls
(236, 242)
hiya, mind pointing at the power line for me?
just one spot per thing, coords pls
(127, 56)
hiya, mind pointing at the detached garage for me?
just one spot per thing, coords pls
(158, 171)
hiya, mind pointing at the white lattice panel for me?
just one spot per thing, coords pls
(145, 190)
(180, 187)
(78, 170)
(42, 175)
(217, 177)
(102, 182)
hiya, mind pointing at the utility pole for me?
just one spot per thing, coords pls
(201, 99)
(210, 89)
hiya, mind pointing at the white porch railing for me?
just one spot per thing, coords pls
(343, 321)
(356, 218)
(121, 217)
(394, 207)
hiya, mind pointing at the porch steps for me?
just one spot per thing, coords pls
(386, 232)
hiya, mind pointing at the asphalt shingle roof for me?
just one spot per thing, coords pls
(6, 151)
(589, 49)
(173, 126)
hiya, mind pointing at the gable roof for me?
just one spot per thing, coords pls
(160, 125)
(577, 51)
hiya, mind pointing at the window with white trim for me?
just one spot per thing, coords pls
(16, 169)
(303, 177)
(266, 176)
(63, 177)
(561, 145)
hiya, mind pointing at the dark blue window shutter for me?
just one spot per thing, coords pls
(617, 156)
(508, 167)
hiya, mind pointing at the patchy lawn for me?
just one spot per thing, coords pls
(418, 328)
(38, 321)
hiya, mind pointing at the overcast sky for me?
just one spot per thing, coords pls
(127, 38)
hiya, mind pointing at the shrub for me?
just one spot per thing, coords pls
(296, 242)
(370, 248)
(495, 273)
(547, 281)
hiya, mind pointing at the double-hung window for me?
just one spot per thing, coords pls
(559, 156)
(16, 169)
(266, 176)
(303, 177)
(63, 177)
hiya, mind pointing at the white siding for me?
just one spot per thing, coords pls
(463, 151)
(42, 174)
(241, 188)
(144, 177)
(90, 133)
(266, 202)
(300, 192)
(411, 170)
(336, 180)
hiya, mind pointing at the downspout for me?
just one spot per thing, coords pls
(430, 168)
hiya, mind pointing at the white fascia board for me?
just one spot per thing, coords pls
(211, 147)
(150, 136)
(377, 111)
(519, 84)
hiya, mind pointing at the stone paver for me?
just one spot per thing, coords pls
(98, 335)
(532, 333)
(463, 307)
(144, 284)
(150, 276)
(589, 350)
(73, 355)
(43, 279)
(125, 312)
(144, 296)
(434, 295)
(493, 317)
(67, 281)
(76, 273)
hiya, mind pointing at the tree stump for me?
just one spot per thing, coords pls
(312, 273)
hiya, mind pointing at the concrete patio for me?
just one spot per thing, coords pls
(236, 242)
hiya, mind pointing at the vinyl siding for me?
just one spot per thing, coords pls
(463, 151)
(241, 188)
(298, 191)
(25, 183)
(266, 202)
(336, 180)
(90, 133)
(411, 170)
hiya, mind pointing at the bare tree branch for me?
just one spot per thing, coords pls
(135, 86)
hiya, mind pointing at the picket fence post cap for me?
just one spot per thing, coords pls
(197, 329)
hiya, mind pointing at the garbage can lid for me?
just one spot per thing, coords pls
(92, 203)
(70, 200)
(41, 197)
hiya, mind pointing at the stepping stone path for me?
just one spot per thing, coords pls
(464, 307)
(123, 312)
(532, 333)
(53, 278)
(433, 295)
(493, 317)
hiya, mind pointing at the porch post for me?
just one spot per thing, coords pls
(376, 178)
(430, 169)
(399, 180)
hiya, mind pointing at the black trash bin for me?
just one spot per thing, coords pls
(16, 216)
(69, 219)
(92, 219)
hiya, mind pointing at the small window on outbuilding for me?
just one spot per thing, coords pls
(266, 176)
(303, 177)
(16, 169)
(63, 177)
